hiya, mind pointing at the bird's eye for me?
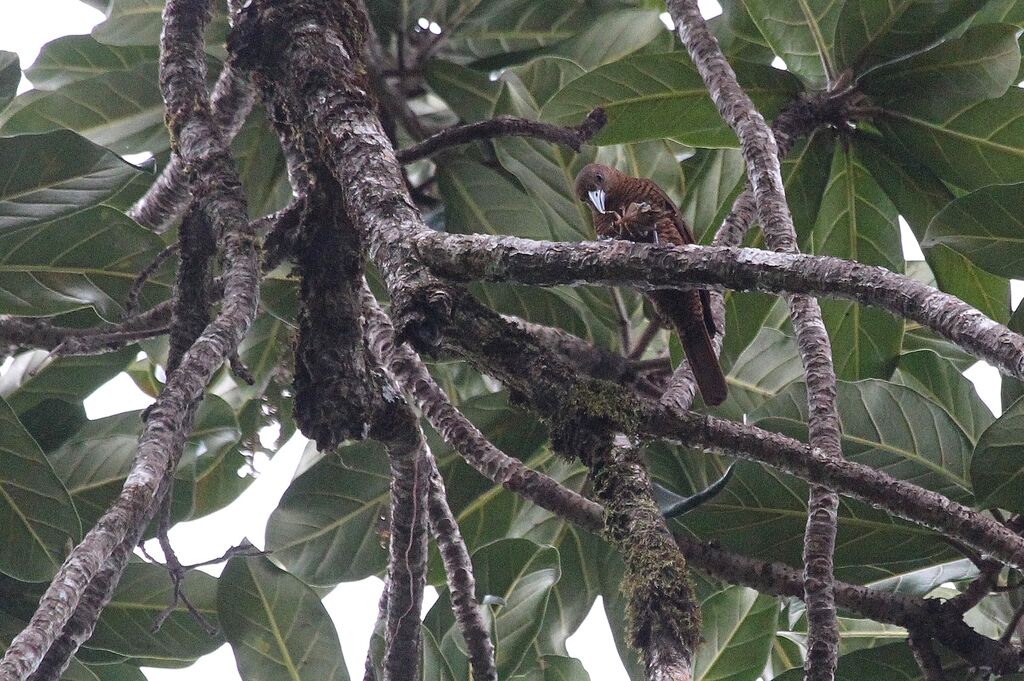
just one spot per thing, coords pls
(599, 178)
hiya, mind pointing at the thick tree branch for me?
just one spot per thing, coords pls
(461, 581)
(764, 171)
(618, 263)
(230, 102)
(198, 141)
(507, 126)
(662, 616)
(771, 578)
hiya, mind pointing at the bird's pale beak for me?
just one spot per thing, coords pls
(597, 198)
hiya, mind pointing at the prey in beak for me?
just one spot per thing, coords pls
(597, 198)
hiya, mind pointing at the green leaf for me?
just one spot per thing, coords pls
(738, 627)
(917, 193)
(261, 166)
(806, 173)
(142, 594)
(469, 93)
(938, 380)
(921, 582)
(38, 190)
(857, 221)
(655, 159)
(986, 227)
(766, 367)
(10, 77)
(872, 32)
(762, 513)
(892, 662)
(481, 200)
(522, 574)
(556, 668)
(714, 177)
(738, 35)
(276, 625)
(496, 27)
(662, 95)
(80, 57)
(93, 462)
(957, 275)
(36, 510)
(889, 427)
(325, 529)
(800, 32)
(998, 463)
(969, 145)
(1001, 11)
(545, 76)
(139, 22)
(611, 36)
(979, 65)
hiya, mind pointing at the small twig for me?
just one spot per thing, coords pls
(978, 588)
(926, 657)
(642, 343)
(1011, 626)
(131, 302)
(239, 369)
(507, 126)
(655, 364)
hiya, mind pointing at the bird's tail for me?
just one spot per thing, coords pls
(685, 312)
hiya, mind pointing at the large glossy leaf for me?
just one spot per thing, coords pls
(956, 274)
(891, 428)
(766, 367)
(80, 57)
(979, 65)
(325, 530)
(921, 582)
(276, 625)
(479, 199)
(93, 462)
(763, 513)
(997, 467)
(801, 32)
(521, 574)
(806, 173)
(985, 226)
(470, 94)
(893, 662)
(858, 222)
(738, 35)
(611, 36)
(139, 22)
(142, 594)
(10, 76)
(39, 520)
(261, 165)
(938, 380)
(662, 95)
(871, 32)
(121, 110)
(655, 159)
(556, 668)
(968, 145)
(738, 627)
(506, 26)
(713, 177)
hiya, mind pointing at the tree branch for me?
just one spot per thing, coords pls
(461, 582)
(764, 171)
(662, 615)
(507, 126)
(644, 266)
(199, 143)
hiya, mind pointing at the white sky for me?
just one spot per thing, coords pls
(24, 28)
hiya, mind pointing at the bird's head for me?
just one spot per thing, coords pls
(594, 183)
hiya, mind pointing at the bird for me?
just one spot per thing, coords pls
(637, 209)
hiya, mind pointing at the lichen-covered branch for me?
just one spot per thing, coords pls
(507, 126)
(39, 333)
(164, 201)
(757, 143)
(662, 616)
(771, 578)
(198, 141)
(461, 582)
(621, 263)
(902, 499)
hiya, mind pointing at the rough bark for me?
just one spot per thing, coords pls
(617, 263)
(198, 141)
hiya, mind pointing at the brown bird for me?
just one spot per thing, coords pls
(637, 209)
